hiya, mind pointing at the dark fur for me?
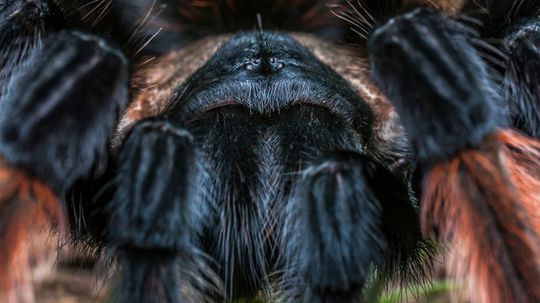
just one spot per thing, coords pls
(258, 173)
(76, 85)
(151, 212)
(522, 78)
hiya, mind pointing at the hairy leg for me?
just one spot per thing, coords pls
(510, 33)
(446, 100)
(152, 215)
(342, 224)
(59, 111)
(55, 120)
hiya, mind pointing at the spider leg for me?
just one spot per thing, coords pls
(55, 120)
(60, 111)
(336, 236)
(445, 99)
(151, 213)
(343, 224)
(515, 26)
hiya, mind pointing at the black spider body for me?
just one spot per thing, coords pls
(258, 117)
(231, 149)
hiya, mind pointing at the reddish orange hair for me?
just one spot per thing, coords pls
(484, 202)
(523, 162)
(27, 207)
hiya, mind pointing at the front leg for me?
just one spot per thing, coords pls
(55, 121)
(59, 112)
(348, 216)
(335, 233)
(152, 217)
(440, 87)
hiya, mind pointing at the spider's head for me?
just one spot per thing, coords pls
(268, 75)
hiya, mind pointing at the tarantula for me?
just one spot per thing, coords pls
(223, 149)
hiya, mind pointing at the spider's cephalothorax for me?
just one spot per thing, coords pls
(291, 151)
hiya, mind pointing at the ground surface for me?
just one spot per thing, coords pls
(71, 285)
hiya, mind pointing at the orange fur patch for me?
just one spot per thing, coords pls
(477, 203)
(29, 211)
(522, 156)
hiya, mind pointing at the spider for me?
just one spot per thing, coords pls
(219, 150)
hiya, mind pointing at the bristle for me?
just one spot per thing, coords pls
(364, 16)
(495, 17)
(152, 27)
(138, 26)
(409, 255)
(28, 208)
(23, 25)
(471, 203)
(26, 20)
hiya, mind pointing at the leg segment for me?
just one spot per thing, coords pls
(335, 237)
(444, 96)
(55, 120)
(151, 213)
(59, 112)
